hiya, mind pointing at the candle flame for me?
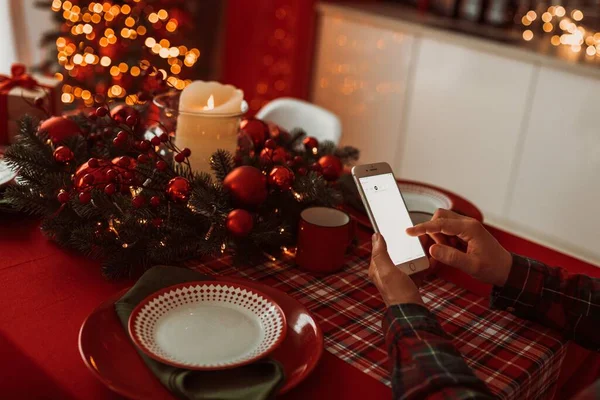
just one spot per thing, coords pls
(210, 103)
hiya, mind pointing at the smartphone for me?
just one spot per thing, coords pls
(389, 216)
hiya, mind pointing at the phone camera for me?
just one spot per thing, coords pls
(375, 187)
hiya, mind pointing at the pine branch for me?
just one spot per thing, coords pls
(296, 137)
(347, 154)
(221, 162)
(26, 200)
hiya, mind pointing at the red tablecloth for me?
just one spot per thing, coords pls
(47, 292)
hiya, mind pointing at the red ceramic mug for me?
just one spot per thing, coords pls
(324, 235)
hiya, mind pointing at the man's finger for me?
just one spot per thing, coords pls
(452, 257)
(380, 256)
(443, 213)
(452, 227)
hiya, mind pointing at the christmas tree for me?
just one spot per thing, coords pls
(127, 50)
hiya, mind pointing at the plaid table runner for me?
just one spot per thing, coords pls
(517, 359)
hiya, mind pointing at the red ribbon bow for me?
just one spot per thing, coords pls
(19, 78)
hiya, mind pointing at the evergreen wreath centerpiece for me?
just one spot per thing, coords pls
(105, 189)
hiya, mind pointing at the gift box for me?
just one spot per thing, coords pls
(18, 94)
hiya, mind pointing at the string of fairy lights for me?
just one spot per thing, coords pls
(95, 29)
(567, 31)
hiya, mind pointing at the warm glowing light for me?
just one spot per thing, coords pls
(175, 69)
(112, 40)
(560, 11)
(165, 43)
(171, 25)
(525, 21)
(153, 18)
(96, 19)
(123, 67)
(173, 52)
(528, 35)
(56, 4)
(114, 70)
(129, 22)
(576, 48)
(577, 15)
(77, 59)
(156, 48)
(125, 33)
(546, 17)
(531, 15)
(571, 28)
(103, 42)
(67, 5)
(97, 8)
(87, 29)
(135, 71)
(590, 41)
(164, 52)
(105, 61)
(89, 58)
(150, 42)
(58, 76)
(141, 30)
(210, 103)
(555, 40)
(125, 9)
(590, 51)
(548, 27)
(67, 98)
(162, 14)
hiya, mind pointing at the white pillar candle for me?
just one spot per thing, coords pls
(208, 120)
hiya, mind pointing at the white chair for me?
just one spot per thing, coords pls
(292, 113)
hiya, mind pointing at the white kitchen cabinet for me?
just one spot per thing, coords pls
(557, 188)
(361, 75)
(463, 122)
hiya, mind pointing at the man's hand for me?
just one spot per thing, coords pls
(484, 258)
(394, 285)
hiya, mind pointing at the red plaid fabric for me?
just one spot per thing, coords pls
(517, 359)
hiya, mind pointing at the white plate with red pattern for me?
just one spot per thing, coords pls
(7, 174)
(207, 325)
(422, 201)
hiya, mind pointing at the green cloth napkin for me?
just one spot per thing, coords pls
(260, 380)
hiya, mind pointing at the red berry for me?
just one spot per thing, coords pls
(111, 174)
(131, 120)
(298, 160)
(154, 201)
(289, 163)
(101, 112)
(179, 157)
(186, 152)
(93, 163)
(144, 145)
(118, 143)
(85, 197)
(92, 116)
(123, 162)
(302, 171)
(110, 189)
(142, 159)
(107, 132)
(88, 179)
(316, 167)
(155, 141)
(161, 165)
(138, 201)
(157, 222)
(164, 138)
(270, 144)
(63, 196)
(127, 175)
(122, 136)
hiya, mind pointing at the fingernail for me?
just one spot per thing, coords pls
(375, 238)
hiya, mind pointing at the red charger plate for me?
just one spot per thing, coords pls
(108, 352)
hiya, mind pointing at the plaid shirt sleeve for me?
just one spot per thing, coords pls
(424, 363)
(553, 297)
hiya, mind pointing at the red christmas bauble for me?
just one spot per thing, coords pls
(277, 133)
(332, 167)
(310, 143)
(178, 190)
(63, 154)
(121, 112)
(98, 173)
(245, 144)
(277, 156)
(247, 185)
(239, 222)
(281, 177)
(60, 128)
(256, 129)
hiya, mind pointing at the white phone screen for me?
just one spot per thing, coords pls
(391, 217)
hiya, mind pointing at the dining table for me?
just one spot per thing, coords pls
(46, 292)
